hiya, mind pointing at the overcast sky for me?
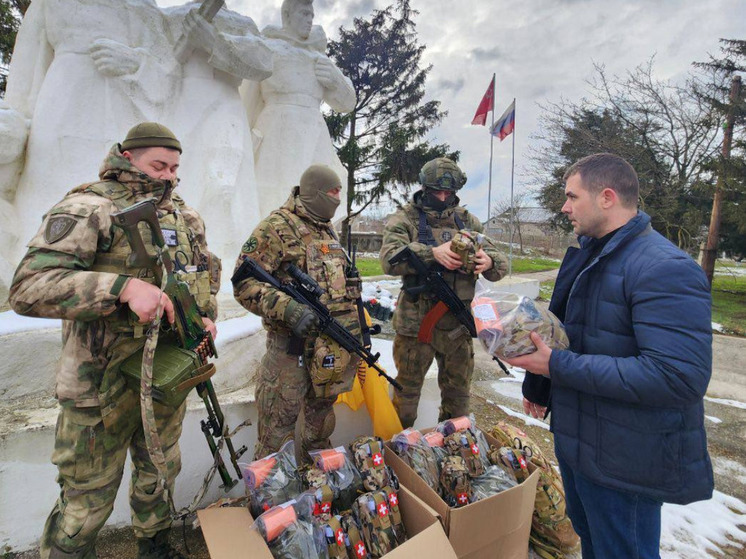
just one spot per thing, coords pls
(541, 50)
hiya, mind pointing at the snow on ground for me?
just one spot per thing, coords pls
(730, 271)
(714, 419)
(12, 323)
(528, 420)
(696, 530)
(731, 403)
(237, 328)
(730, 468)
(717, 327)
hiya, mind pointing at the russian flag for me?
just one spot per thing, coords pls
(506, 123)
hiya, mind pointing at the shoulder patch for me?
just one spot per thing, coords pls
(250, 245)
(58, 227)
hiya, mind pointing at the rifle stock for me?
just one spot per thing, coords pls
(187, 324)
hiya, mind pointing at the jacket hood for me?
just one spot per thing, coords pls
(118, 168)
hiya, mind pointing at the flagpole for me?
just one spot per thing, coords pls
(492, 142)
(512, 210)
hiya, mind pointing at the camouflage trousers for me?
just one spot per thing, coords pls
(90, 460)
(454, 353)
(284, 390)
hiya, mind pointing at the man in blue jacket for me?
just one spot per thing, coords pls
(627, 396)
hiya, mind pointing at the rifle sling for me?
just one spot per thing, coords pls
(425, 334)
(203, 373)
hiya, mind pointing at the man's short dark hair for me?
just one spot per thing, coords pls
(606, 170)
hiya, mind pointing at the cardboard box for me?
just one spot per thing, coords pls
(496, 528)
(227, 533)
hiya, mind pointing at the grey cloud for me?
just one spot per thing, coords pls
(486, 55)
(450, 85)
(360, 8)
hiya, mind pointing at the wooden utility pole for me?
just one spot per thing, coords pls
(710, 252)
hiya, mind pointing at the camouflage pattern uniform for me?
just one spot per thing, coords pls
(74, 270)
(451, 344)
(293, 235)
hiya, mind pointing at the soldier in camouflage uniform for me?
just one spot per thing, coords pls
(300, 232)
(427, 225)
(76, 269)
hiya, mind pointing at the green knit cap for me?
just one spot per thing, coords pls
(150, 135)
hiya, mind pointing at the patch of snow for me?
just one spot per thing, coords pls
(236, 329)
(731, 403)
(730, 468)
(528, 420)
(698, 530)
(714, 419)
(718, 327)
(12, 323)
(373, 291)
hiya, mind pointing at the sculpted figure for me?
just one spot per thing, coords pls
(82, 71)
(284, 110)
(209, 117)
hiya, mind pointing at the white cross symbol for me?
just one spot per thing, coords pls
(463, 498)
(474, 449)
(325, 507)
(393, 500)
(383, 509)
(340, 537)
(377, 459)
(360, 550)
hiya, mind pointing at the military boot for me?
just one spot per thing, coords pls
(157, 547)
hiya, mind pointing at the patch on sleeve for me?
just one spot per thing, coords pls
(58, 227)
(250, 245)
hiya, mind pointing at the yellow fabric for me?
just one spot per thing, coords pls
(373, 391)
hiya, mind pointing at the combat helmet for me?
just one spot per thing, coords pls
(149, 135)
(442, 173)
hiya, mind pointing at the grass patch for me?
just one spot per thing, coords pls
(369, 267)
(545, 290)
(729, 302)
(525, 264)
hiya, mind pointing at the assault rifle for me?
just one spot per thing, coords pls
(432, 282)
(306, 291)
(188, 324)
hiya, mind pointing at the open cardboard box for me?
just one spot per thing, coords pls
(496, 528)
(228, 534)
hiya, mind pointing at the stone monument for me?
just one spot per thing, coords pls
(285, 109)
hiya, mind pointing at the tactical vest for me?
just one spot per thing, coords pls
(332, 368)
(113, 258)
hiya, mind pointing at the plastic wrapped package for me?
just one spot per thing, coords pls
(463, 438)
(341, 475)
(493, 481)
(436, 441)
(504, 322)
(414, 449)
(369, 456)
(272, 480)
(316, 502)
(288, 536)
(380, 521)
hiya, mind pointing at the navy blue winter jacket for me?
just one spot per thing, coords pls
(626, 398)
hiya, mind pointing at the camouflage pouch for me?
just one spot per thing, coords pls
(332, 368)
(367, 452)
(455, 482)
(464, 444)
(372, 511)
(341, 475)
(412, 447)
(317, 502)
(356, 545)
(272, 480)
(512, 461)
(466, 244)
(336, 539)
(393, 499)
(551, 528)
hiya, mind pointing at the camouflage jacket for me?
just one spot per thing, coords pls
(402, 230)
(62, 275)
(291, 235)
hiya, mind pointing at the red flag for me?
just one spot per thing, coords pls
(485, 105)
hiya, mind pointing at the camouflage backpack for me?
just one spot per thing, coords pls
(414, 449)
(552, 534)
(376, 522)
(455, 482)
(367, 452)
(355, 545)
(464, 444)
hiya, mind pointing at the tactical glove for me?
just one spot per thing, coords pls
(300, 319)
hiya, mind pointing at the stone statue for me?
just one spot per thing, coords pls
(208, 116)
(284, 110)
(82, 72)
